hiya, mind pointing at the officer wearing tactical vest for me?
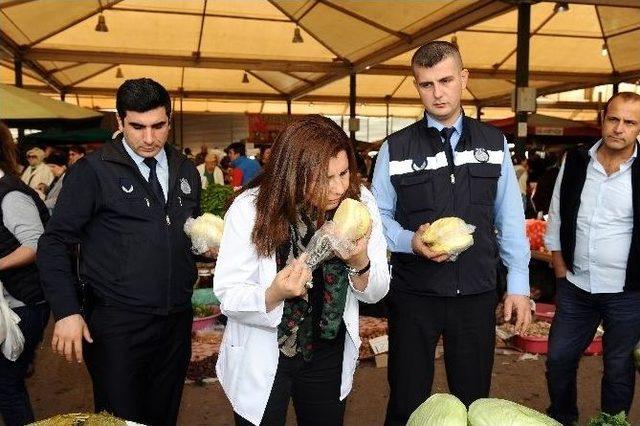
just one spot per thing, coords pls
(447, 165)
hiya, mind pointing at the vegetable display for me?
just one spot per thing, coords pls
(440, 409)
(215, 198)
(447, 410)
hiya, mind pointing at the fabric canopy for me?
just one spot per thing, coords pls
(249, 55)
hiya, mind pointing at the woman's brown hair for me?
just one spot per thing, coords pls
(8, 152)
(295, 178)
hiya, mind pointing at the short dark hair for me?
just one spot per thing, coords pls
(626, 96)
(57, 158)
(433, 52)
(141, 95)
(237, 147)
(79, 149)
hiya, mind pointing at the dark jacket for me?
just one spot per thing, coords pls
(425, 192)
(573, 179)
(22, 283)
(135, 253)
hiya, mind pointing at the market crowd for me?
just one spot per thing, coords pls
(96, 240)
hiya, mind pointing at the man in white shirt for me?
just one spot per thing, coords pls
(594, 235)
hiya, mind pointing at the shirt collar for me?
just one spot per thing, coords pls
(432, 122)
(161, 156)
(594, 149)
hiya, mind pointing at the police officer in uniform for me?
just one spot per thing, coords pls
(126, 205)
(447, 165)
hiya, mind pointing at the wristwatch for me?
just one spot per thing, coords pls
(353, 272)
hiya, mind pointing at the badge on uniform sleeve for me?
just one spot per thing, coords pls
(481, 155)
(126, 186)
(185, 187)
(418, 167)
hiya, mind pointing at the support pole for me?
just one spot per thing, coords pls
(522, 68)
(352, 106)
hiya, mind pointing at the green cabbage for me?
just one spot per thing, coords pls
(440, 409)
(493, 411)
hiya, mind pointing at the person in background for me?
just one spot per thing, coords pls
(37, 172)
(209, 170)
(521, 168)
(57, 162)
(541, 197)
(23, 218)
(199, 159)
(232, 175)
(189, 154)
(448, 164)
(293, 333)
(126, 205)
(250, 168)
(594, 237)
(76, 152)
(265, 153)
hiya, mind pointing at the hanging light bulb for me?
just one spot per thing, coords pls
(561, 6)
(101, 26)
(604, 51)
(119, 73)
(454, 41)
(297, 37)
(245, 78)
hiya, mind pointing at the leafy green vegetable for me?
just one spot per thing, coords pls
(215, 199)
(440, 409)
(201, 311)
(604, 419)
(493, 411)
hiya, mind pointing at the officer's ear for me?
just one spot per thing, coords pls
(120, 122)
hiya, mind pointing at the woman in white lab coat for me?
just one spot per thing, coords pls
(291, 333)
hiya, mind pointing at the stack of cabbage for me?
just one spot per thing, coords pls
(205, 232)
(449, 235)
(447, 410)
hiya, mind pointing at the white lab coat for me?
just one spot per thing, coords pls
(249, 351)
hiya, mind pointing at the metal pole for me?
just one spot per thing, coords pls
(616, 88)
(522, 68)
(63, 95)
(288, 106)
(479, 113)
(352, 105)
(387, 99)
(17, 65)
(181, 120)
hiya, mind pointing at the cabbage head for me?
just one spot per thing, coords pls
(440, 409)
(494, 412)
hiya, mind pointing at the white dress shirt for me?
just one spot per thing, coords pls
(162, 167)
(603, 229)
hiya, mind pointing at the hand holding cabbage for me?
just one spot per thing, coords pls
(443, 239)
(205, 232)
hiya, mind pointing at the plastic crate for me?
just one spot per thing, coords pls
(206, 322)
(545, 311)
(540, 345)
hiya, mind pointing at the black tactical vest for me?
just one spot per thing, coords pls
(573, 179)
(22, 283)
(426, 191)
